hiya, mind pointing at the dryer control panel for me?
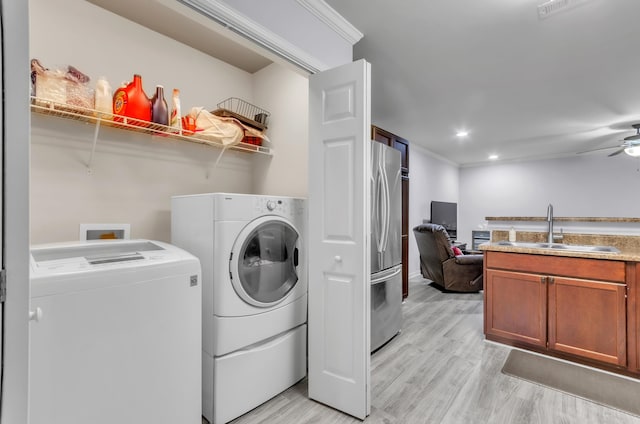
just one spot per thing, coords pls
(280, 206)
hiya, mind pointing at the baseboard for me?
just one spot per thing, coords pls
(413, 275)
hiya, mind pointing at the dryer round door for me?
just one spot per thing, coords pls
(264, 261)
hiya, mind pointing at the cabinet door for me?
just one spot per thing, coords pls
(405, 237)
(382, 136)
(588, 318)
(398, 143)
(402, 145)
(516, 306)
(633, 316)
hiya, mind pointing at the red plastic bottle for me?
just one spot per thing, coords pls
(132, 102)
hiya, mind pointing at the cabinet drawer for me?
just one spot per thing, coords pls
(593, 269)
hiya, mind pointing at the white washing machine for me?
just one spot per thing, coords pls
(254, 301)
(115, 333)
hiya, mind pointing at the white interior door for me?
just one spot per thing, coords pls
(339, 245)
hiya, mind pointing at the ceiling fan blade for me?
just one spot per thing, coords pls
(617, 152)
(601, 148)
(633, 137)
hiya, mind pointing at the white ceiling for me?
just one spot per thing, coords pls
(524, 87)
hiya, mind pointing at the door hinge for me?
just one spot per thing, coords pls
(3, 285)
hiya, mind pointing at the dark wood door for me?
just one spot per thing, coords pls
(399, 143)
(516, 306)
(633, 316)
(588, 318)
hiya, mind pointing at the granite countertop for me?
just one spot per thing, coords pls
(627, 253)
(561, 219)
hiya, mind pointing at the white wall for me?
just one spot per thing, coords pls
(285, 94)
(133, 175)
(593, 185)
(431, 178)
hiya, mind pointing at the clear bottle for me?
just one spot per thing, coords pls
(512, 234)
(159, 108)
(103, 98)
(175, 122)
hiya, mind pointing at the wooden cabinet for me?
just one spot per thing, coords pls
(633, 316)
(561, 304)
(399, 143)
(516, 306)
(588, 318)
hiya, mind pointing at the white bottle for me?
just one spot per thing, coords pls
(175, 119)
(103, 98)
(512, 234)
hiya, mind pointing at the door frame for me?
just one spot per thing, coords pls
(16, 138)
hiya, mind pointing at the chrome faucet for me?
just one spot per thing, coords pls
(551, 237)
(550, 223)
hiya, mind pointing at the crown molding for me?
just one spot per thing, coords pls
(321, 10)
(239, 23)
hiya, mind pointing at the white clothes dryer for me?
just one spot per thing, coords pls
(254, 306)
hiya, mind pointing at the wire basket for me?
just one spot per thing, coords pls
(243, 111)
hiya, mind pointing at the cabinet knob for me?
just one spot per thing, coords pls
(338, 258)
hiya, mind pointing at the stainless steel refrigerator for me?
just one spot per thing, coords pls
(386, 246)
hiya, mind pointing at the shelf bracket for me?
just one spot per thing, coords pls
(215, 165)
(93, 146)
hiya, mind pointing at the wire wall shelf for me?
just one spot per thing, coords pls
(91, 116)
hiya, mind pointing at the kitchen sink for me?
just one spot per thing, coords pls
(560, 246)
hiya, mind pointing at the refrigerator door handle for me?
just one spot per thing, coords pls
(374, 209)
(386, 275)
(387, 204)
(380, 211)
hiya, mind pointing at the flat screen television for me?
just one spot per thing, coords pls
(445, 214)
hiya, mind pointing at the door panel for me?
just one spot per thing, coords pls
(588, 318)
(516, 306)
(339, 296)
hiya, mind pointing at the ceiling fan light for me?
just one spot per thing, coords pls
(633, 151)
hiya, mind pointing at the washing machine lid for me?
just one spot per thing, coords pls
(74, 267)
(264, 261)
(76, 257)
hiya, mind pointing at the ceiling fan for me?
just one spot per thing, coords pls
(630, 145)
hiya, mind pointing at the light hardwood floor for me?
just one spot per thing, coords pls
(439, 369)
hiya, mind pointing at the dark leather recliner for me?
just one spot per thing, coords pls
(462, 273)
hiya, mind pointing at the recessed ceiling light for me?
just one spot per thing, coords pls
(462, 133)
(493, 157)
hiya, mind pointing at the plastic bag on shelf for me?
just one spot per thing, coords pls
(223, 130)
(66, 86)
